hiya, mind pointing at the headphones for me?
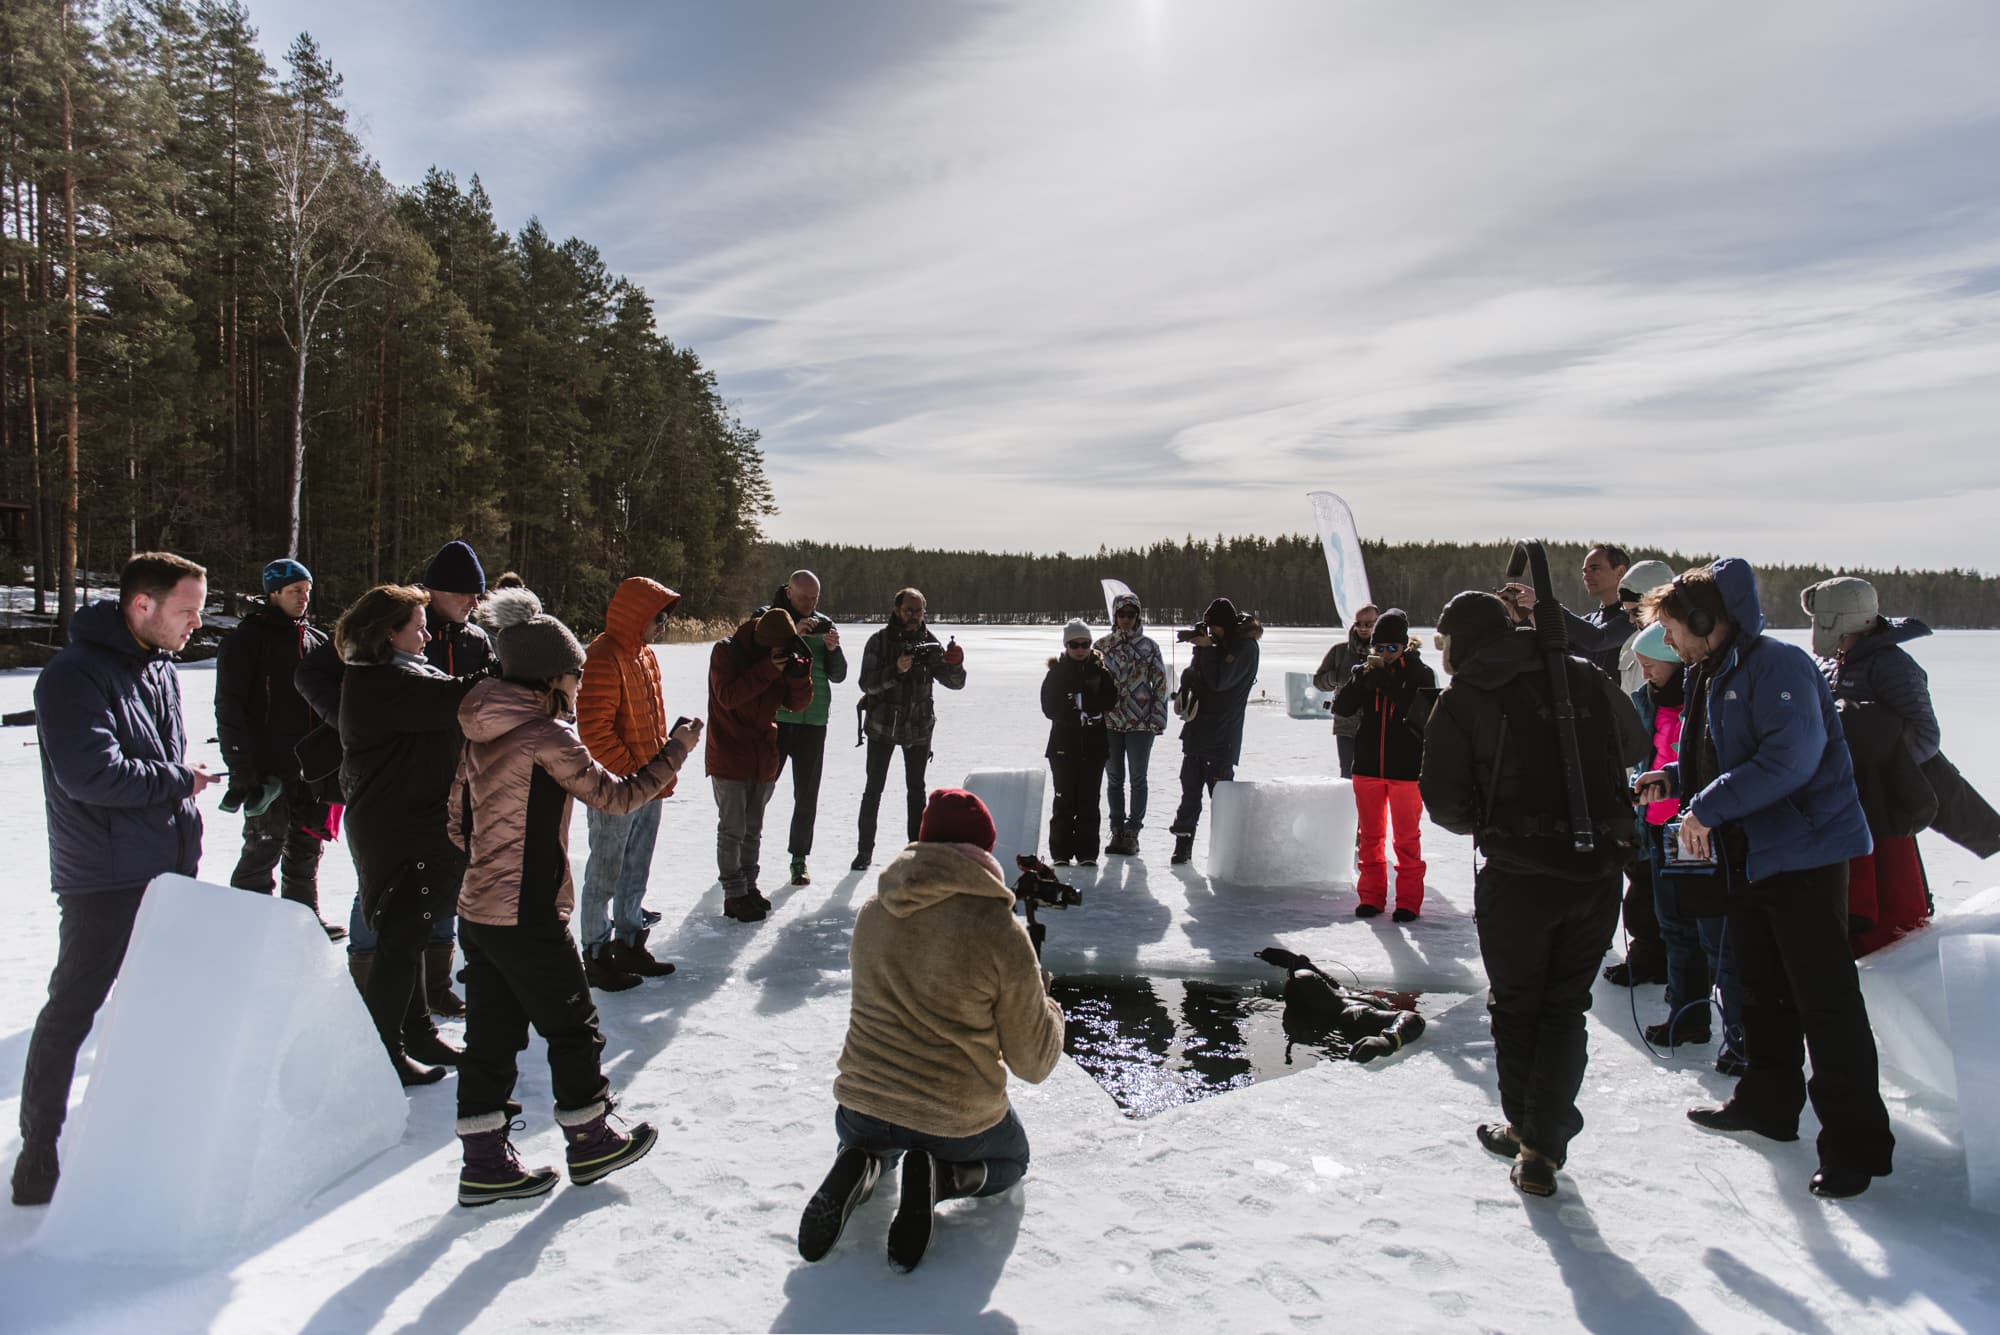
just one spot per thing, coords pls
(1700, 621)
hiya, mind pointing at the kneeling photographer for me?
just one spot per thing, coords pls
(1214, 692)
(948, 997)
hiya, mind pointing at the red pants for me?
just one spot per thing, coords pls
(1377, 800)
(1888, 886)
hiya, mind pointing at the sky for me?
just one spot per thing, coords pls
(1705, 276)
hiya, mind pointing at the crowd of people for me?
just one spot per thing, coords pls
(1751, 807)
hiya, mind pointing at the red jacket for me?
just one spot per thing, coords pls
(745, 692)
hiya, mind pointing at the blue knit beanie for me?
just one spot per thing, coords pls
(455, 569)
(284, 571)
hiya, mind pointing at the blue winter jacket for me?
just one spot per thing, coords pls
(1878, 668)
(1784, 778)
(1223, 676)
(119, 798)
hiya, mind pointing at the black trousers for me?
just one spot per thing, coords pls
(410, 909)
(804, 745)
(90, 949)
(1801, 996)
(915, 760)
(1541, 940)
(1199, 775)
(276, 842)
(516, 977)
(1645, 952)
(1076, 825)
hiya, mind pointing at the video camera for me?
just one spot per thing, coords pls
(1038, 885)
(1189, 634)
(797, 660)
(926, 651)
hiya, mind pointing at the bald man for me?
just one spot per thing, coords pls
(802, 733)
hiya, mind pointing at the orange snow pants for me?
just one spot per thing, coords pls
(1378, 802)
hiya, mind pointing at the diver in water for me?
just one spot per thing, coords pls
(1317, 1008)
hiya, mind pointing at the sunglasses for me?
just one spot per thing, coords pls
(1077, 644)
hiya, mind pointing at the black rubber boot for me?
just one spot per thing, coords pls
(36, 1171)
(849, 1182)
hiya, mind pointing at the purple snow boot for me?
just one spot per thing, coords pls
(492, 1172)
(593, 1149)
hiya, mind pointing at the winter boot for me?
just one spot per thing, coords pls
(1183, 846)
(492, 1172)
(1667, 1034)
(601, 973)
(430, 1049)
(593, 1149)
(1126, 843)
(1367, 910)
(35, 1173)
(411, 1074)
(799, 876)
(850, 1182)
(359, 962)
(307, 893)
(635, 958)
(1733, 1116)
(1534, 1174)
(926, 1181)
(1835, 1184)
(1404, 915)
(437, 981)
(1499, 1138)
(648, 918)
(861, 860)
(751, 907)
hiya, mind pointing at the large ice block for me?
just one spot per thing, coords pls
(1014, 796)
(1283, 832)
(237, 1075)
(1903, 984)
(1305, 700)
(1970, 964)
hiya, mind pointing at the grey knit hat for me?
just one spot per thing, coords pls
(533, 645)
(1839, 607)
(1645, 576)
(1077, 629)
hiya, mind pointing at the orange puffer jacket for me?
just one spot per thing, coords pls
(619, 712)
(510, 808)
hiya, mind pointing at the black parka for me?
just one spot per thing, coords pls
(259, 714)
(1075, 695)
(1391, 703)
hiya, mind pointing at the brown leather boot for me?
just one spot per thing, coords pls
(437, 980)
(359, 962)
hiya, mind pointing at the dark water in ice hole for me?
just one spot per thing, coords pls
(1159, 1043)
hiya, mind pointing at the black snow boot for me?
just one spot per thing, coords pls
(752, 907)
(35, 1173)
(849, 1182)
(1733, 1116)
(1183, 846)
(635, 958)
(602, 974)
(593, 1150)
(492, 1172)
(411, 1074)
(926, 1181)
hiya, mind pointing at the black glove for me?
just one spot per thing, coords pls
(245, 785)
(1368, 1049)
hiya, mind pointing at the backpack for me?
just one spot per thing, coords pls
(1530, 828)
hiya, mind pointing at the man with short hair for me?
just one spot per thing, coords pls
(1335, 669)
(119, 796)
(1600, 633)
(259, 718)
(899, 668)
(802, 732)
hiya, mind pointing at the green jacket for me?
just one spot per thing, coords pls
(827, 667)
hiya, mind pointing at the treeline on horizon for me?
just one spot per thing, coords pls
(1284, 580)
(224, 333)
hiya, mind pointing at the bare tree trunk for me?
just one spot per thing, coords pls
(381, 412)
(66, 567)
(40, 537)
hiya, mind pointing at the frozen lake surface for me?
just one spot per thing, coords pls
(1299, 1203)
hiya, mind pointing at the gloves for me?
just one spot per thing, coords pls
(1368, 1049)
(953, 655)
(245, 785)
(796, 667)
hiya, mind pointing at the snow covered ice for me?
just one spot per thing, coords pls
(1283, 832)
(241, 1077)
(1326, 1198)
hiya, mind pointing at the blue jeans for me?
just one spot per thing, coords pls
(1133, 750)
(621, 858)
(1002, 1147)
(1698, 954)
(361, 937)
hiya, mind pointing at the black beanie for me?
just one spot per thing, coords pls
(1392, 627)
(455, 569)
(1472, 619)
(1221, 612)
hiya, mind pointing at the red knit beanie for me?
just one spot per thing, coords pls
(954, 816)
